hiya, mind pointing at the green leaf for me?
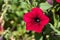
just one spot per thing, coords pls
(58, 24)
(58, 32)
(58, 8)
(13, 7)
(21, 28)
(41, 38)
(38, 36)
(0, 2)
(15, 1)
(45, 6)
(20, 14)
(23, 4)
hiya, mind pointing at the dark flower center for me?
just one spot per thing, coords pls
(37, 20)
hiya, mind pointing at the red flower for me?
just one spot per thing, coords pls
(35, 20)
(58, 1)
(50, 2)
(1, 25)
(1, 29)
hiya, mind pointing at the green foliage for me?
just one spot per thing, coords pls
(45, 6)
(12, 12)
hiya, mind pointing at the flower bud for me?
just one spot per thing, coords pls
(50, 2)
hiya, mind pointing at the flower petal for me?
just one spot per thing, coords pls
(27, 17)
(34, 27)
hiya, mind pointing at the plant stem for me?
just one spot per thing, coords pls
(58, 32)
(54, 18)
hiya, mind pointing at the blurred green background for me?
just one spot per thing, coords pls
(12, 11)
